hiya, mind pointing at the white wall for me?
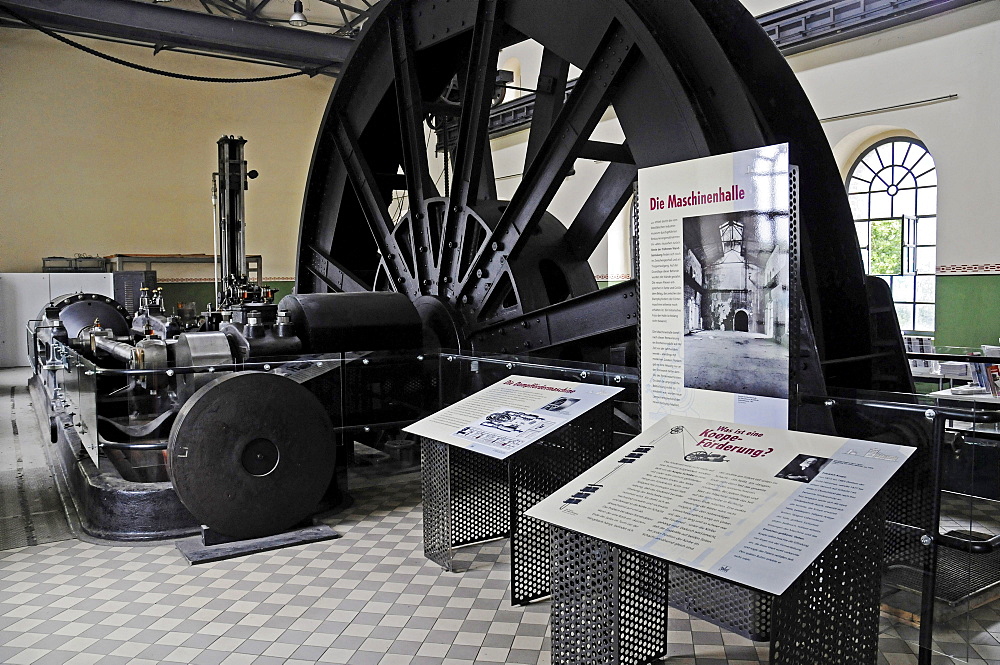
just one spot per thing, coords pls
(22, 297)
(758, 7)
(956, 53)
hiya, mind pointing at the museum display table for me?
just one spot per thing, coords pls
(609, 603)
(783, 531)
(469, 497)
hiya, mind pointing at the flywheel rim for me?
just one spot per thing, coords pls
(673, 77)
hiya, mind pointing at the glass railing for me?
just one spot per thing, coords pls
(961, 367)
(127, 413)
(941, 568)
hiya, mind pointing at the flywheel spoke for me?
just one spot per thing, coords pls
(419, 184)
(373, 206)
(598, 213)
(590, 98)
(471, 151)
(599, 313)
(549, 99)
(329, 271)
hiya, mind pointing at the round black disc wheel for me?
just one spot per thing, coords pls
(80, 312)
(684, 79)
(251, 454)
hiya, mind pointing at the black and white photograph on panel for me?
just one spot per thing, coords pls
(736, 303)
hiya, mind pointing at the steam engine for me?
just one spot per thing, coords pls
(238, 416)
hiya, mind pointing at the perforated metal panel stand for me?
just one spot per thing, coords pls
(609, 604)
(829, 616)
(741, 610)
(436, 491)
(535, 473)
(466, 500)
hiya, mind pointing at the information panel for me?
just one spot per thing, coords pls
(752, 505)
(714, 270)
(511, 414)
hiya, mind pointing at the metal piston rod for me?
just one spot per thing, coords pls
(118, 350)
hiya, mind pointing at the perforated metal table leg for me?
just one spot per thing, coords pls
(466, 500)
(585, 614)
(437, 502)
(609, 605)
(829, 616)
(535, 473)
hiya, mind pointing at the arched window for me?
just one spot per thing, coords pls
(892, 188)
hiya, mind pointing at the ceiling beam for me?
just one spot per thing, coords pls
(156, 24)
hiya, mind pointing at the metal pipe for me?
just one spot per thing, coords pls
(215, 234)
(120, 350)
(176, 27)
(114, 445)
(930, 540)
(946, 357)
(617, 377)
(241, 230)
(894, 107)
(975, 416)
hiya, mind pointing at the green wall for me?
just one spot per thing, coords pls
(968, 310)
(203, 293)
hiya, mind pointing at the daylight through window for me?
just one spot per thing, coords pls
(892, 188)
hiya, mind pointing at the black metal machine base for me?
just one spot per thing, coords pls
(213, 546)
(109, 507)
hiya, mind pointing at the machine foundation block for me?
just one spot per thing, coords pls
(197, 550)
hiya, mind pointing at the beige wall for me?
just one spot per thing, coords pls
(97, 158)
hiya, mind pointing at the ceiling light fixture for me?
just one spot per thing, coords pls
(298, 19)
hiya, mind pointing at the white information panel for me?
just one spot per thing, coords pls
(511, 414)
(714, 271)
(749, 504)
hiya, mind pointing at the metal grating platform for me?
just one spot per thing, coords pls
(961, 577)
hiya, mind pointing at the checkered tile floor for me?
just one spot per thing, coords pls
(368, 598)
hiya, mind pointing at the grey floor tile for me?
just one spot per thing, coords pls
(268, 660)
(372, 584)
(209, 657)
(365, 658)
(200, 641)
(462, 652)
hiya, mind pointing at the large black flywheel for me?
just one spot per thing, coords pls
(685, 79)
(251, 454)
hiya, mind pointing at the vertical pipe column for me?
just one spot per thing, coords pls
(232, 226)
